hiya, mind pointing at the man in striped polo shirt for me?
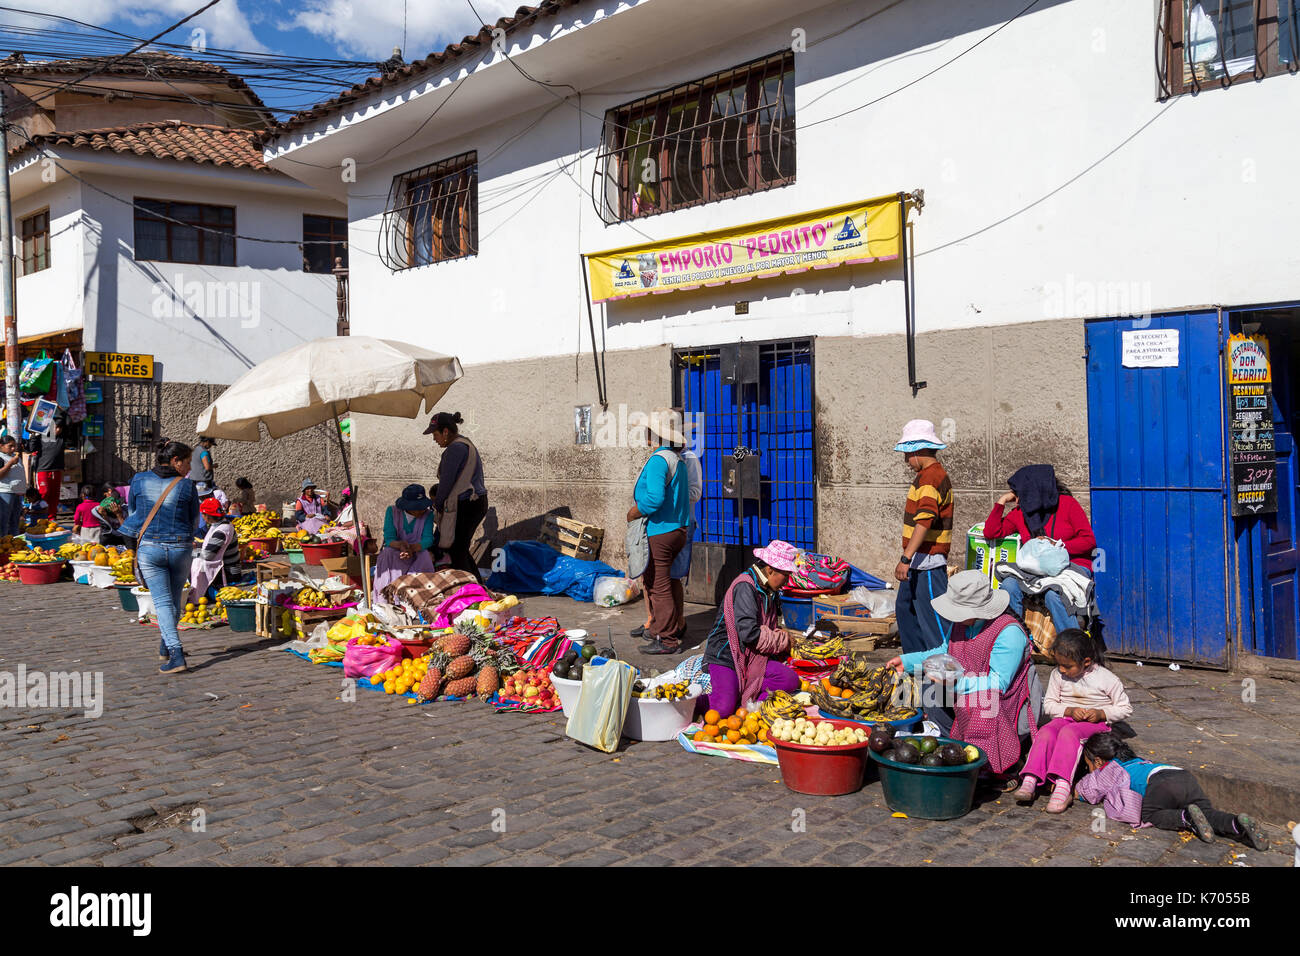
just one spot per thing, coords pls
(922, 571)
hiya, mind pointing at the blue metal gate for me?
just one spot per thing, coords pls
(1155, 442)
(754, 408)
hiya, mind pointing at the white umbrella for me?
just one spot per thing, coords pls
(323, 379)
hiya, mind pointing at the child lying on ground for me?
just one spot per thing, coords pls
(1143, 793)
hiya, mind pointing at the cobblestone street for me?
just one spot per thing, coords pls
(260, 748)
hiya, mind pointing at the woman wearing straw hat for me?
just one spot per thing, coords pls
(922, 571)
(991, 645)
(662, 497)
(408, 539)
(741, 651)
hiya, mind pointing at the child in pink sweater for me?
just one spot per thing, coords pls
(1082, 699)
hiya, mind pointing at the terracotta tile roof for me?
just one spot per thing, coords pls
(167, 139)
(434, 61)
(147, 64)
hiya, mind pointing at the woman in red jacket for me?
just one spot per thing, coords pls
(1038, 507)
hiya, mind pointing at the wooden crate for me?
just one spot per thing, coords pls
(573, 538)
(265, 624)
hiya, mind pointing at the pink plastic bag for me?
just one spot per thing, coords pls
(363, 660)
(446, 612)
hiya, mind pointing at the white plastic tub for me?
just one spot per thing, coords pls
(650, 719)
(145, 600)
(569, 691)
(81, 571)
(101, 576)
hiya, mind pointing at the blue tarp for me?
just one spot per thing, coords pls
(531, 567)
(860, 578)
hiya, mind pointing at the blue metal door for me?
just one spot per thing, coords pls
(754, 410)
(1155, 444)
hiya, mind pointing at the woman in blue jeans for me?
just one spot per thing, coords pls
(13, 484)
(166, 547)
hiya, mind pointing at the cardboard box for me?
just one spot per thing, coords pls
(348, 566)
(982, 555)
(853, 619)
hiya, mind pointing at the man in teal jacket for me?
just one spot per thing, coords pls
(662, 497)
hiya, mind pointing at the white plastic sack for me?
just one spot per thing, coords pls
(597, 720)
(1043, 556)
(611, 591)
(879, 603)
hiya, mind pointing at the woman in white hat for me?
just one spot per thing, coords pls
(994, 651)
(742, 653)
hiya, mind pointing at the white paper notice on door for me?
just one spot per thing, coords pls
(1150, 348)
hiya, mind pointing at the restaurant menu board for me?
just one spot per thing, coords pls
(1250, 426)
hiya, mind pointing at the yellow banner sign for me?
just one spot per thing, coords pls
(839, 235)
(119, 365)
(1248, 360)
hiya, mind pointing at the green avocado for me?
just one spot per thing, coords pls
(927, 745)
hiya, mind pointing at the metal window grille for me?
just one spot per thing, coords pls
(725, 135)
(432, 214)
(754, 421)
(1221, 42)
(165, 240)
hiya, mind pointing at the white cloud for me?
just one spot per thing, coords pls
(370, 29)
(225, 25)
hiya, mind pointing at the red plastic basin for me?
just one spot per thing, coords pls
(315, 553)
(823, 771)
(47, 572)
(270, 545)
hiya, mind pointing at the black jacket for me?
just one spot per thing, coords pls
(750, 602)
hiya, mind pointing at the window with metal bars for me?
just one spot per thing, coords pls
(432, 214)
(1220, 42)
(325, 238)
(34, 233)
(725, 135)
(167, 231)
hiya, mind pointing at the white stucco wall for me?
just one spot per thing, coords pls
(205, 324)
(50, 301)
(1055, 184)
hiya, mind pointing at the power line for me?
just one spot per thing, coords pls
(140, 46)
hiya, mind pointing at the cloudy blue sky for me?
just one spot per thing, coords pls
(343, 29)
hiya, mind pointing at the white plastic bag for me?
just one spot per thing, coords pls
(611, 591)
(878, 603)
(597, 720)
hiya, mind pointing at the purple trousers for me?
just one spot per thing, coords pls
(724, 697)
(1057, 748)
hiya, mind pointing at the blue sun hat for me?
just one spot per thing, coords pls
(919, 434)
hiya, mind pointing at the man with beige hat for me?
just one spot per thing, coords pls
(922, 571)
(662, 498)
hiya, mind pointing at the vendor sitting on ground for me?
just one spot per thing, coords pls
(217, 560)
(994, 651)
(408, 539)
(744, 650)
(313, 512)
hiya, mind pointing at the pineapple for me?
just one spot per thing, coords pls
(454, 644)
(431, 684)
(489, 682)
(460, 688)
(507, 663)
(462, 666)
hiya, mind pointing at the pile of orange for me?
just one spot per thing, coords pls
(834, 691)
(742, 727)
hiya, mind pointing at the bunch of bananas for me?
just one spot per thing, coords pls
(780, 704)
(68, 550)
(310, 597)
(233, 594)
(878, 692)
(33, 556)
(816, 648)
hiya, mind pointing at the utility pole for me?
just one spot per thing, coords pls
(15, 408)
